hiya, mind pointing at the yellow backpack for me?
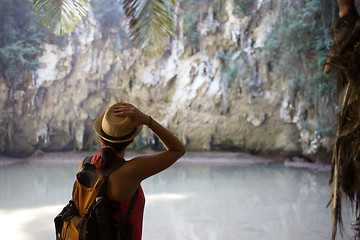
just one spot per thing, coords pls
(87, 216)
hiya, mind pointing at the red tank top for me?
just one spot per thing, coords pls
(119, 210)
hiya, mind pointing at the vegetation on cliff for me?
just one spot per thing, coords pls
(237, 69)
(299, 43)
(20, 40)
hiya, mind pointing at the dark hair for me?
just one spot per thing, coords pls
(108, 153)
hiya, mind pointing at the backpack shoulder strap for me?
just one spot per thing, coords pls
(87, 160)
(114, 165)
(125, 227)
(133, 201)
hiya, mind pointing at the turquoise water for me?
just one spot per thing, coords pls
(191, 200)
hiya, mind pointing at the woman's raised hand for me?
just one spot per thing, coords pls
(137, 116)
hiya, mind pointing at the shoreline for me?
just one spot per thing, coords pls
(203, 157)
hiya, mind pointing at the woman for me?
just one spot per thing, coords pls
(117, 128)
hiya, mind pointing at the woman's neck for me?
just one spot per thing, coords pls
(121, 153)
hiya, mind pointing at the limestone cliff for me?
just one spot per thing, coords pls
(216, 88)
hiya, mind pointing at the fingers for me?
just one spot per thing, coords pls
(128, 110)
(124, 110)
(121, 112)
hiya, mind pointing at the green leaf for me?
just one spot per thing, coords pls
(60, 16)
(151, 24)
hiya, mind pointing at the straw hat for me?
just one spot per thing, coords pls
(112, 128)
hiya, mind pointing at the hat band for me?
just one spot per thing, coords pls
(118, 138)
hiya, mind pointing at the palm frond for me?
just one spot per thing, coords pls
(345, 167)
(60, 16)
(151, 24)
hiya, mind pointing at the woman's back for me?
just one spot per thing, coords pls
(120, 208)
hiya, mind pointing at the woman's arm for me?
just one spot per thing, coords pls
(143, 167)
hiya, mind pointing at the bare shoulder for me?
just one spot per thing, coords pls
(129, 172)
(122, 172)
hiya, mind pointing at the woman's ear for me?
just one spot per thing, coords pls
(101, 141)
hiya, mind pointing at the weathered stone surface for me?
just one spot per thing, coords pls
(186, 92)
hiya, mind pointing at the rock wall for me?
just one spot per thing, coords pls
(54, 107)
